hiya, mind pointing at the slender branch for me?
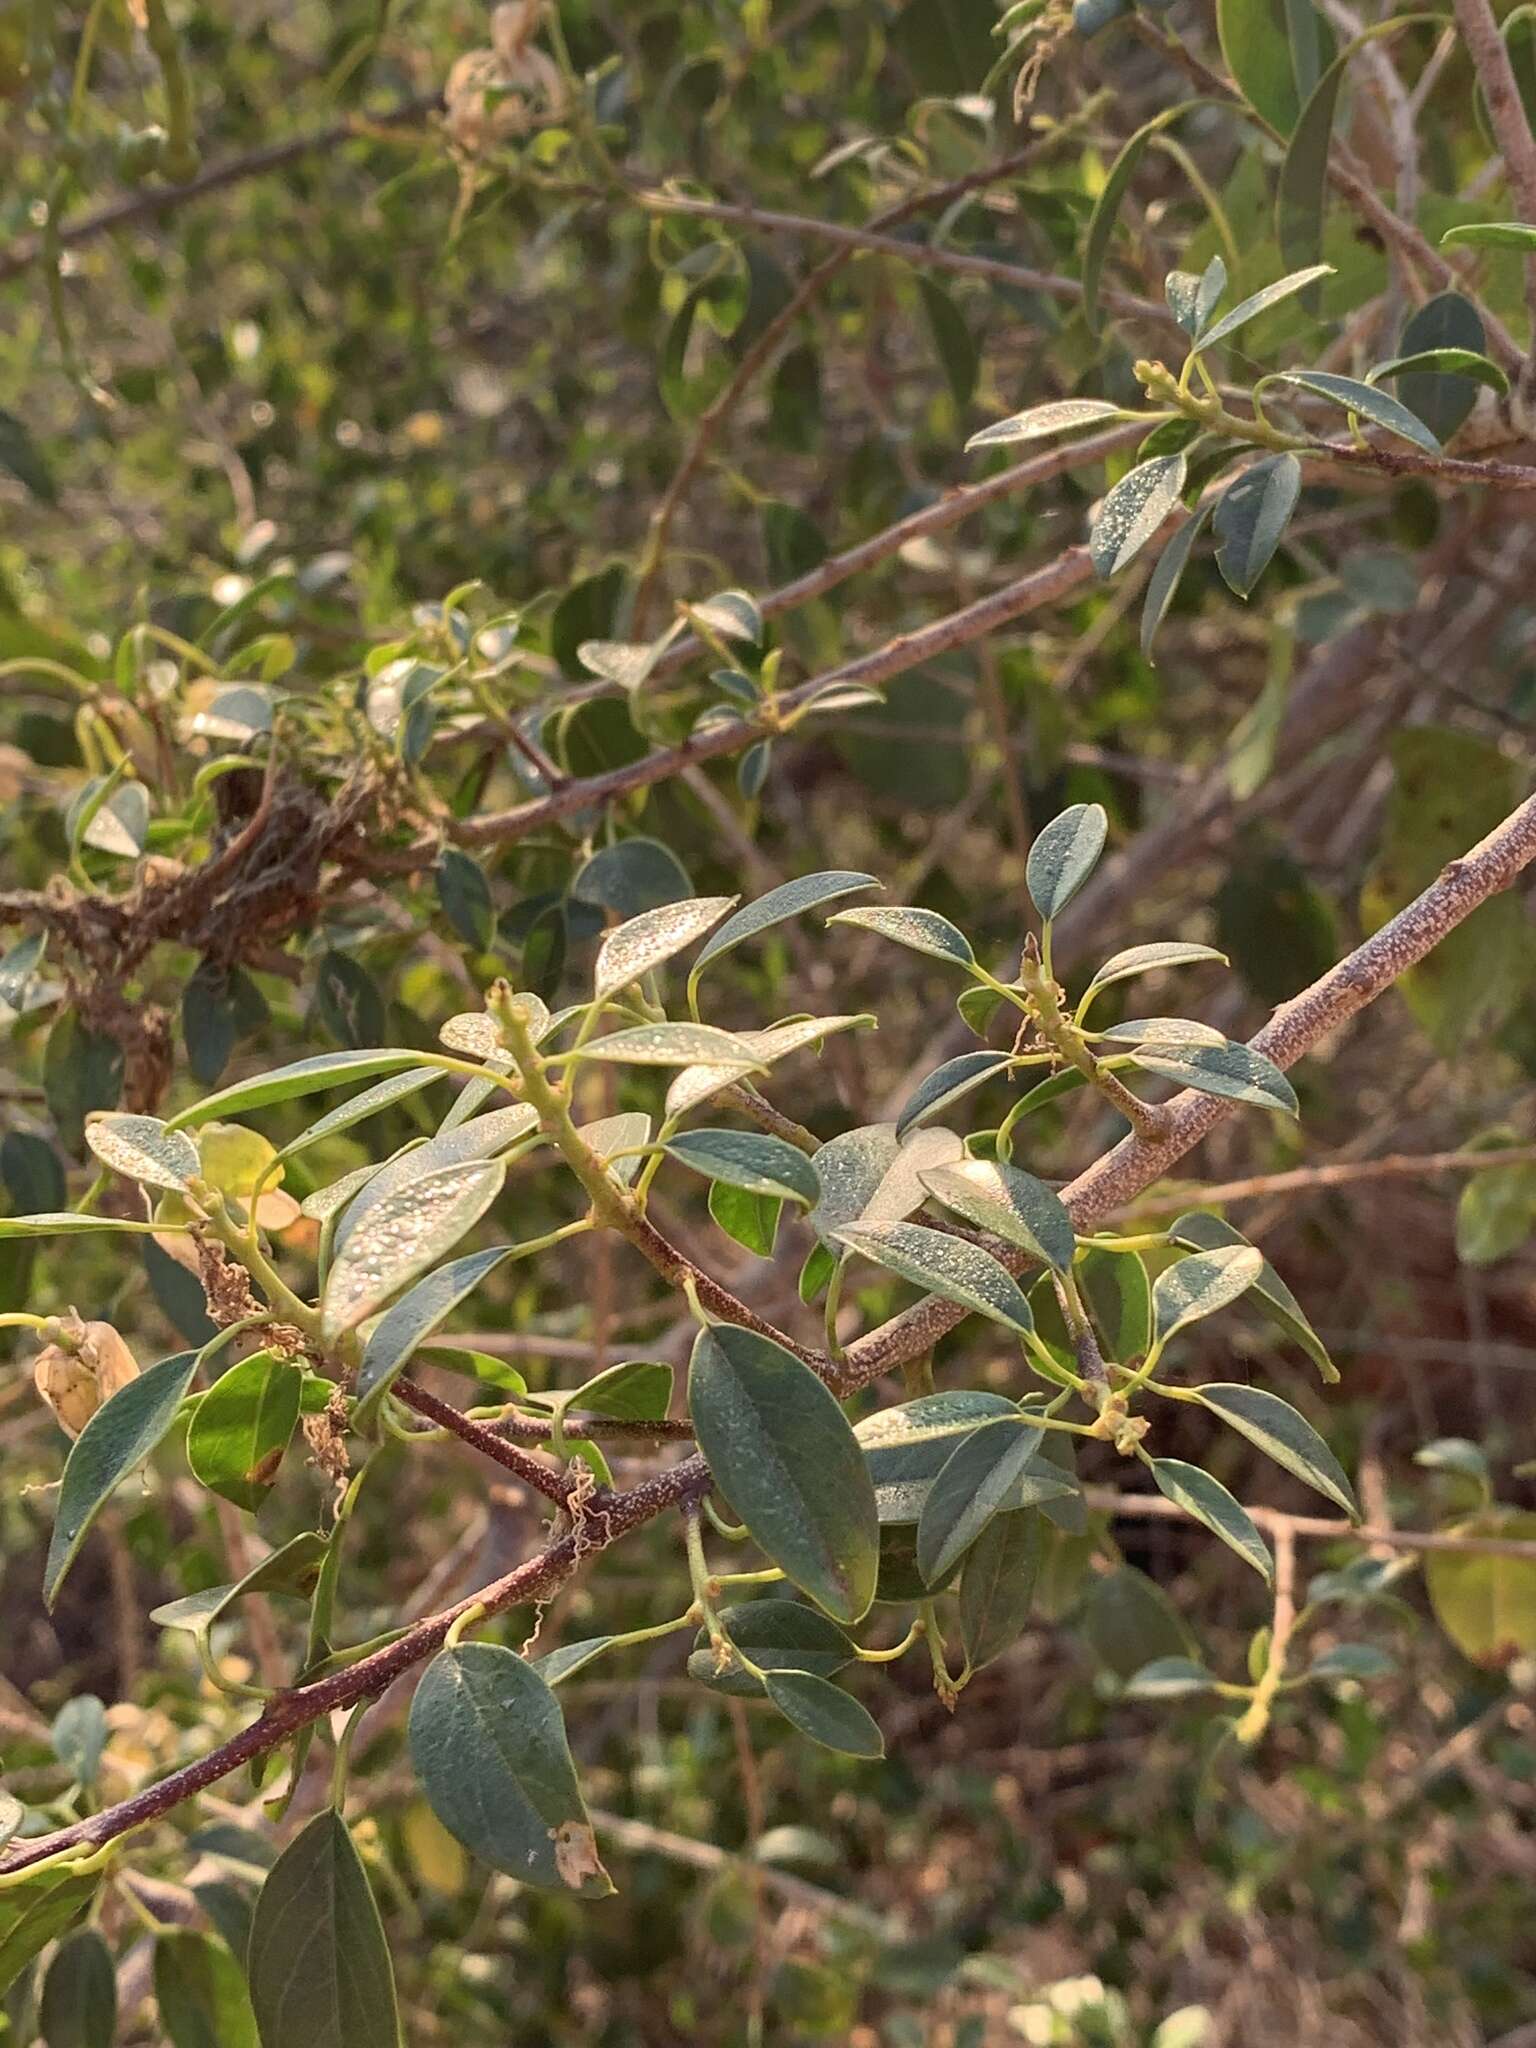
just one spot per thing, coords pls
(550, 1481)
(1347, 1173)
(1323, 1528)
(1506, 114)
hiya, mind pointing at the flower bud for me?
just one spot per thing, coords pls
(87, 1366)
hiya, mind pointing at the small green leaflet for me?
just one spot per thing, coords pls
(403, 1234)
(117, 1439)
(1065, 416)
(947, 1084)
(751, 1219)
(1066, 851)
(1251, 517)
(1379, 407)
(1131, 513)
(293, 1569)
(1191, 299)
(1492, 234)
(1261, 301)
(675, 1045)
(749, 1160)
(1231, 1070)
(1201, 1285)
(1011, 1204)
(1198, 1494)
(789, 900)
(1283, 1435)
(783, 1455)
(318, 1966)
(944, 1265)
(646, 942)
(1163, 583)
(1199, 1231)
(825, 1712)
(777, 1635)
(978, 1478)
(924, 931)
(144, 1149)
(241, 1427)
(488, 1744)
(639, 1390)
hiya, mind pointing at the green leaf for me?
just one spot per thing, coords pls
(777, 1635)
(143, 1149)
(570, 1658)
(1143, 959)
(24, 460)
(319, 1966)
(850, 1169)
(630, 876)
(953, 341)
(37, 1911)
(1379, 407)
(1357, 1661)
(1495, 1214)
(790, 899)
(488, 1744)
(1198, 1494)
(784, 1457)
(18, 969)
(294, 1568)
(64, 1223)
(1169, 1678)
(1457, 362)
(997, 1584)
(1012, 1204)
(943, 1265)
(639, 1390)
(1234, 1071)
(349, 1002)
(1163, 583)
(200, 1990)
(403, 1234)
(395, 1338)
(1260, 302)
(1301, 192)
(116, 1441)
(382, 1095)
(646, 942)
(82, 1071)
(79, 2002)
(1492, 234)
(924, 931)
(675, 1045)
(825, 1712)
(1201, 1285)
(980, 1477)
(907, 1447)
(1131, 513)
(1486, 1605)
(465, 896)
(1283, 1435)
(944, 44)
(1251, 516)
(1201, 1232)
(1107, 207)
(1062, 416)
(947, 1084)
(751, 1220)
(749, 1160)
(1257, 53)
(1191, 299)
(694, 1085)
(241, 1427)
(303, 1077)
(1443, 403)
(1066, 852)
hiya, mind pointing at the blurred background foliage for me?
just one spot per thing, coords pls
(279, 423)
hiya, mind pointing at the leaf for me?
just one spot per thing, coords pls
(241, 1427)
(348, 1001)
(639, 1390)
(777, 1635)
(38, 1910)
(465, 895)
(906, 1447)
(694, 1085)
(63, 1223)
(294, 1568)
(1283, 1435)
(850, 1169)
(1202, 1232)
(401, 1236)
(1167, 573)
(784, 1457)
(557, 1665)
(1443, 403)
(1063, 416)
(1486, 1605)
(1144, 959)
(1198, 1494)
(943, 1265)
(319, 1966)
(395, 1338)
(1201, 1285)
(630, 876)
(1234, 1071)
(947, 1084)
(924, 931)
(1156, 1031)
(1260, 302)
(978, 1478)
(382, 1095)
(733, 614)
(114, 1442)
(488, 1744)
(1458, 362)
(1492, 234)
(1251, 516)
(645, 942)
(1064, 854)
(1357, 1661)
(1106, 209)
(79, 1736)
(674, 1045)
(1169, 1678)
(953, 341)
(1131, 513)
(82, 1071)
(825, 1712)
(18, 969)
(200, 1990)
(24, 460)
(1495, 1214)
(749, 1160)
(303, 1077)
(142, 1148)
(752, 1220)
(1012, 1204)
(611, 1136)
(790, 899)
(1379, 407)
(997, 1584)
(79, 2002)
(1257, 53)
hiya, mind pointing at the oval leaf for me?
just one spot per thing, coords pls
(1134, 510)
(241, 1427)
(789, 900)
(412, 1320)
(1064, 416)
(303, 1077)
(1283, 1435)
(947, 1266)
(1250, 308)
(947, 1084)
(403, 1234)
(1202, 1233)
(825, 1712)
(977, 1479)
(675, 1045)
(1234, 1071)
(644, 943)
(923, 931)
(1379, 407)
(906, 1447)
(318, 1965)
(1012, 1204)
(1065, 853)
(750, 1160)
(1198, 1494)
(777, 1635)
(1199, 1286)
(144, 1149)
(1250, 518)
(997, 1585)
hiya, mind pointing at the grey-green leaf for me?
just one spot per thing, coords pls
(1260, 302)
(784, 1457)
(302, 1077)
(850, 1168)
(1283, 1435)
(997, 1584)
(318, 1965)
(1012, 1204)
(412, 1320)
(488, 1744)
(1065, 853)
(924, 931)
(143, 1148)
(1169, 1678)
(906, 1447)
(79, 2002)
(201, 1993)
(36, 1912)
(1133, 510)
(977, 1479)
(402, 1235)
(790, 899)
(947, 1084)
(1379, 407)
(1143, 959)
(751, 1160)
(1231, 1070)
(778, 1635)
(947, 1266)
(1201, 1285)
(1163, 583)
(1492, 234)
(1202, 1232)
(825, 1712)
(1250, 518)
(1062, 416)
(674, 1045)
(646, 942)
(117, 1439)
(1209, 1502)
